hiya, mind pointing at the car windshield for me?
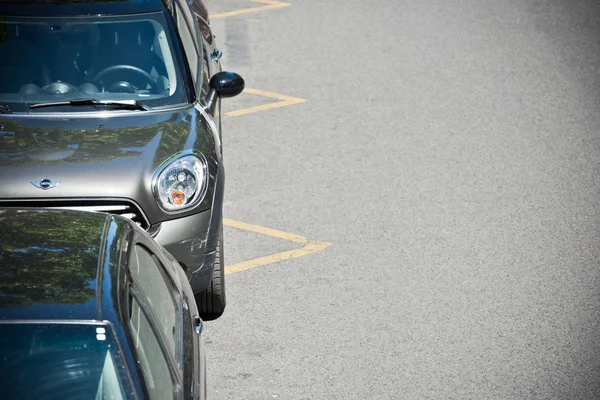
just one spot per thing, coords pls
(66, 361)
(50, 60)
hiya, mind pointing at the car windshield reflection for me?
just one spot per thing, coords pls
(56, 60)
(78, 361)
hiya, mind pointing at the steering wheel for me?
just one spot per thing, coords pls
(124, 86)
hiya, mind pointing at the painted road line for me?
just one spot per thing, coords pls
(283, 102)
(310, 246)
(265, 231)
(270, 5)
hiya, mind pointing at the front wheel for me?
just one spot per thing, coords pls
(211, 302)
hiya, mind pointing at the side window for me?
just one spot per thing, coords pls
(205, 78)
(153, 364)
(204, 29)
(204, 32)
(150, 277)
(191, 53)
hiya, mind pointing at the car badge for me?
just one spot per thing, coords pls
(45, 184)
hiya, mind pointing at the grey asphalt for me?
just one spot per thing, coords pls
(450, 151)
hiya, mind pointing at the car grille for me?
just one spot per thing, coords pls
(123, 208)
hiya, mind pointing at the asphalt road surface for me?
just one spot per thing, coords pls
(449, 152)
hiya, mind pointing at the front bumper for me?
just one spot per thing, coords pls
(185, 238)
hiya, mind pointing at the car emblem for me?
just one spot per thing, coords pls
(45, 184)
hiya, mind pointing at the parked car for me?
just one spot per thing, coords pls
(92, 307)
(114, 106)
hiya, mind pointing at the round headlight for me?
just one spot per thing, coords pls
(181, 183)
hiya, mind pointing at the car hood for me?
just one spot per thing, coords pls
(112, 157)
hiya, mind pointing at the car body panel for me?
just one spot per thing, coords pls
(186, 234)
(56, 266)
(72, 266)
(103, 158)
(49, 266)
(74, 8)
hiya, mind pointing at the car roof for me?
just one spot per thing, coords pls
(48, 8)
(60, 264)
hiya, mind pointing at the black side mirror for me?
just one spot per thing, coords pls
(227, 84)
(223, 84)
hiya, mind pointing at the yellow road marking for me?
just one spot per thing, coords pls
(270, 5)
(310, 246)
(265, 231)
(283, 102)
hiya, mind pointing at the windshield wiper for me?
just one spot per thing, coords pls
(4, 109)
(125, 104)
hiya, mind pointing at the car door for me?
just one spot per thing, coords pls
(156, 323)
(163, 284)
(194, 372)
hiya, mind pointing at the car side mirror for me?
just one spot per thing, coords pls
(223, 84)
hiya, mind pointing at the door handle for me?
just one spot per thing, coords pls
(216, 55)
(198, 325)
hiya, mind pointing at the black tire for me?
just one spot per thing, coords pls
(211, 302)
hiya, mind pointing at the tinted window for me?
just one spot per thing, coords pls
(106, 58)
(205, 78)
(154, 366)
(67, 360)
(204, 30)
(150, 277)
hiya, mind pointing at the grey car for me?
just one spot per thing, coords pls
(114, 106)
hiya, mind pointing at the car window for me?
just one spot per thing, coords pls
(149, 276)
(58, 59)
(203, 32)
(204, 29)
(191, 52)
(154, 366)
(205, 78)
(66, 360)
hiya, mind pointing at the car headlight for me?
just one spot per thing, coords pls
(181, 183)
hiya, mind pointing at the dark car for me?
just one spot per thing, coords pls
(114, 106)
(92, 308)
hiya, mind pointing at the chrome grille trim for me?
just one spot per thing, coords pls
(119, 207)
